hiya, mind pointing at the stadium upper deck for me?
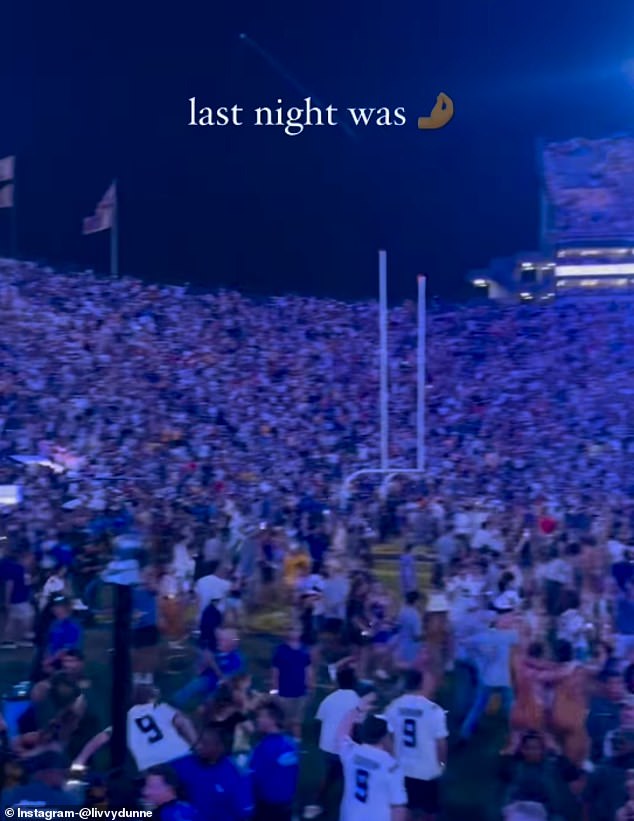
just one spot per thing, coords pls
(587, 234)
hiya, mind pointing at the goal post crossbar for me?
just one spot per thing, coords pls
(389, 474)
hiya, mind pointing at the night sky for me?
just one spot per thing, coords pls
(90, 91)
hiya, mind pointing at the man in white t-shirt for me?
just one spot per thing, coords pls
(212, 588)
(335, 707)
(157, 733)
(374, 786)
(420, 745)
(332, 710)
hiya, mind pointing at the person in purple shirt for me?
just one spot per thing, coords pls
(292, 679)
(211, 782)
(274, 767)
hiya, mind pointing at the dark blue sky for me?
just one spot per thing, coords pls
(89, 91)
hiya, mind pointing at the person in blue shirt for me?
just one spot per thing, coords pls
(64, 634)
(225, 662)
(317, 542)
(212, 783)
(492, 650)
(274, 767)
(62, 554)
(292, 676)
(624, 622)
(161, 791)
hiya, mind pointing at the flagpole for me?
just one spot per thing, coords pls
(422, 372)
(384, 363)
(114, 235)
(14, 216)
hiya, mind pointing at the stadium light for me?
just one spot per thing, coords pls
(481, 283)
(526, 295)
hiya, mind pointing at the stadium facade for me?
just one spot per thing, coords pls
(587, 226)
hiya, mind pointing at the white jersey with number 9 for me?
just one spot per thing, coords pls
(373, 783)
(418, 724)
(152, 737)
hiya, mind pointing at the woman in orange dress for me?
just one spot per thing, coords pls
(528, 711)
(172, 609)
(569, 710)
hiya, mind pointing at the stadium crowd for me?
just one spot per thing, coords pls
(219, 431)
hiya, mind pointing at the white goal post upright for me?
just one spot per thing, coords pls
(421, 372)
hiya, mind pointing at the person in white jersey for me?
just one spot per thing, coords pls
(374, 787)
(157, 733)
(420, 745)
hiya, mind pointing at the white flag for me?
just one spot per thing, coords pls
(7, 169)
(103, 217)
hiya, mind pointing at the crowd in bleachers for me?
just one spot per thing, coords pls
(177, 403)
